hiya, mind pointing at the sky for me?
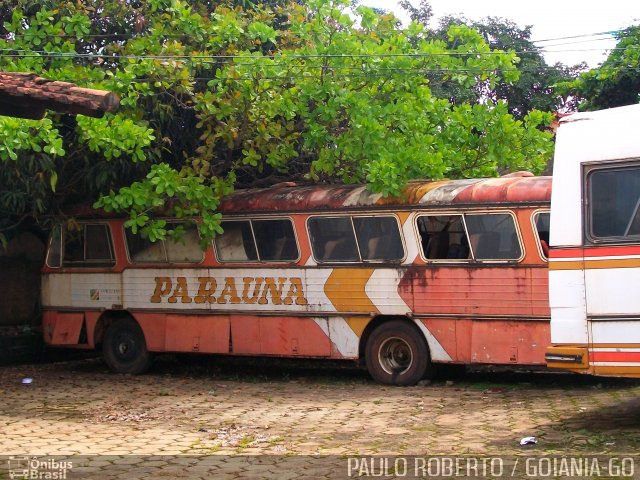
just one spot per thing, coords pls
(550, 19)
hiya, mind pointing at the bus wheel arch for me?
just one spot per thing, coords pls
(395, 351)
(124, 347)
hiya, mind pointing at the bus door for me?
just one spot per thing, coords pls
(612, 266)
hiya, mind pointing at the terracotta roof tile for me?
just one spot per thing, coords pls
(28, 96)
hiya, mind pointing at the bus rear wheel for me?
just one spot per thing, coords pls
(397, 354)
(124, 348)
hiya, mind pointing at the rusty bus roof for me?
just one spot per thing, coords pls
(519, 188)
(510, 189)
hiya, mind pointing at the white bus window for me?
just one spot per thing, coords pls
(236, 244)
(614, 202)
(443, 237)
(379, 238)
(493, 236)
(333, 239)
(541, 221)
(87, 246)
(276, 240)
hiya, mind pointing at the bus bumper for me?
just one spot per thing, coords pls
(567, 358)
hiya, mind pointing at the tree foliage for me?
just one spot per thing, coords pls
(216, 95)
(616, 82)
(535, 87)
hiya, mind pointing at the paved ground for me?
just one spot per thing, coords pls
(234, 413)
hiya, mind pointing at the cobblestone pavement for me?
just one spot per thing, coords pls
(171, 422)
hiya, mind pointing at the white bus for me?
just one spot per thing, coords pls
(594, 264)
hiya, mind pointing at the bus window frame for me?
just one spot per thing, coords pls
(131, 261)
(436, 213)
(361, 261)
(588, 169)
(473, 260)
(255, 243)
(109, 263)
(534, 228)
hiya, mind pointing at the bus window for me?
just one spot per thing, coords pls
(614, 203)
(356, 239)
(443, 237)
(142, 249)
(276, 240)
(183, 249)
(268, 240)
(54, 257)
(541, 221)
(493, 236)
(333, 239)
(86, 246)
(379, 238)
(236, 244)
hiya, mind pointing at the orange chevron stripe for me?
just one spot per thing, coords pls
(345, 288)
(403, 217)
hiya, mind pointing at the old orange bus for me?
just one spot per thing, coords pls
(450, 272)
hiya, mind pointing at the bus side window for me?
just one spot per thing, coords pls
(144, 250)
(97, 242)
(55, 247)
(236, 244)
(73, 245)
(184, 248)
(276, 240)
(443, 237)
(88, 246)
(379, 238)
(541, 220)
(332, 239)
(613, 202)
(493, 236)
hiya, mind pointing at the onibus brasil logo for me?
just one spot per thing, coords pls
(25, 467)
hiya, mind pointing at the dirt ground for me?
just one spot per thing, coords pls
(277, 419)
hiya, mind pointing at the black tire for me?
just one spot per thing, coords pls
(124, 348)
(397, 354)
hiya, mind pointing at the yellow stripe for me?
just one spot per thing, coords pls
(595, 264)
(617, 371)
(577, 265)
(345, 288)
(622, 263)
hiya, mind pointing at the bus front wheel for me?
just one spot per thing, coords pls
(397, 354)
(124, 348)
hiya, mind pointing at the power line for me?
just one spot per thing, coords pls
(571, 37)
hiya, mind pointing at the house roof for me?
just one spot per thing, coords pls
(26, 95)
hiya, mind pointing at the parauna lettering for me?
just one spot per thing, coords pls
(249, 290)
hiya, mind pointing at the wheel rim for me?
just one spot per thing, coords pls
(395, 356)
(125, 347)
